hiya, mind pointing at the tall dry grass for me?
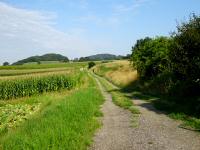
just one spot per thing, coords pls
(119, 72)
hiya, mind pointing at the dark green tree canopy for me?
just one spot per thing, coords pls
(91, 64)
(149, 56)
(185, 50)
(6, 63)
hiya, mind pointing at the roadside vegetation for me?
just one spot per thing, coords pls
(169, 68)
(165, 71)
(119, 98)
(118, 72)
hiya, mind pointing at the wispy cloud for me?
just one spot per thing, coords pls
(25, 32)
(117, 13)
(132, 6)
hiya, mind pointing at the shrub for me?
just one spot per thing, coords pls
(6, 63)
(91, 64)
(185, 50)
(149, 56)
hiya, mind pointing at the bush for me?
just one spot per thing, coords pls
(149, 56)
(185, 50)
(6, 63)
(91, 64)
(171, 66)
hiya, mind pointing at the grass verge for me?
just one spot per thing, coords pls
(68, 122)
(119, 98)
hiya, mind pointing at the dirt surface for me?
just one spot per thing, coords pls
(155, 131)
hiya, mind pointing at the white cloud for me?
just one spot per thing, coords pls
(25, 33)
(130, 7)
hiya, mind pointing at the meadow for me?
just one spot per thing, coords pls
(53, 108)
(119, 72)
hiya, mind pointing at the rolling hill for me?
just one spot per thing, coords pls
(100, 57)
(46, 57)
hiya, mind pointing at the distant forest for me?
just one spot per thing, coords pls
(46, 57)
(61, 58)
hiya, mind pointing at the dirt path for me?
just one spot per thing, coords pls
(155, 131)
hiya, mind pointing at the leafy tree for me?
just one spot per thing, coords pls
(91, 64)
(149, 56)
(185, 50)
(6, 63)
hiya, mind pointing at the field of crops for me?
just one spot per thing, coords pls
(27, 80)
(48, 106)
(11, 89)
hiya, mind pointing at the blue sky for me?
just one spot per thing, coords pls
(77, 28)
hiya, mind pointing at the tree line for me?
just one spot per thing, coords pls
(171, 65)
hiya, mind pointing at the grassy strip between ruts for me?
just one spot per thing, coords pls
(67, 123)
(119, 98)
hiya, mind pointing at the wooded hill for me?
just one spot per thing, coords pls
(46, 57)
(100, 57)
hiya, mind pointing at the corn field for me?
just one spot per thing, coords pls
(10, 89)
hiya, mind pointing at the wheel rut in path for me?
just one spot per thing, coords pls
(156, 131)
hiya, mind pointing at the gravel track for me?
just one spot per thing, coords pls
(155, 131)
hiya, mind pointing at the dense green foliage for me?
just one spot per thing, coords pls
(67, 122)
(34, 85)
(46, 57)
(6, 63)
(171, 66)
(150, 56)
(184, 56)
(91, 64)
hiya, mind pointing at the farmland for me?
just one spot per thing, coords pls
(48, 106)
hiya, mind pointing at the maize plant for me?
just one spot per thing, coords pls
(10, 89)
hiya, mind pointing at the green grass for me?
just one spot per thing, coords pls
(17, 72)
(120, 99)
(68, 122)
(175, 112)
(190, 123)
(43, 66)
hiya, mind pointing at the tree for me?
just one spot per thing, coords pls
(185, 50)
(6, 63)
(91, 64)
(149, 56)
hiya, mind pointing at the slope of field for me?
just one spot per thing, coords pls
(43, 66)
(119, 72)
